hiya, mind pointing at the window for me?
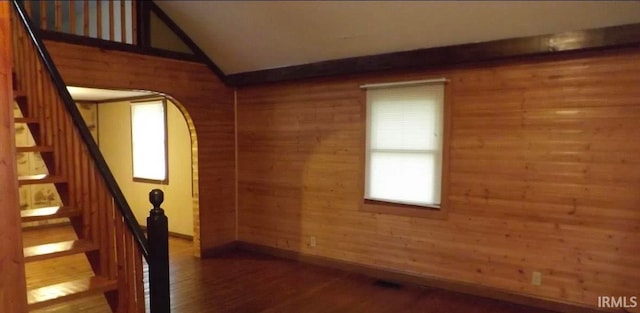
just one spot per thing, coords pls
(404, 142)
(149, 140)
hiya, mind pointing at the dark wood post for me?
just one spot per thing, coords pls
(158, 234)
(143, 10)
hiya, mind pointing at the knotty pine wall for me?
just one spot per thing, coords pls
(544, 176)
(209, 104)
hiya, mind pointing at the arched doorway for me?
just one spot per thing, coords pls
(108, 114)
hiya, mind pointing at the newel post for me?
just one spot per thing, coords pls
(158, 237)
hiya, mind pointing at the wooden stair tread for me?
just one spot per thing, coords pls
(67, 291)
(40, 179)
(35, 149)
(48, 213)
(57, 249)
(27, 120)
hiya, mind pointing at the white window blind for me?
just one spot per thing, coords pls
(148, 140)
(404, 143)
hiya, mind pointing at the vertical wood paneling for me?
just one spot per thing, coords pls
(544, 168)
(12, 279)
(209, 105)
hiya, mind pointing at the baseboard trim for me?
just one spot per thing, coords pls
(400, 277)
(172, 234)
(181, 236)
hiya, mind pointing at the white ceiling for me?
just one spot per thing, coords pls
(94, 94)
(241, 36)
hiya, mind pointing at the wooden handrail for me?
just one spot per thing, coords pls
(92, 147)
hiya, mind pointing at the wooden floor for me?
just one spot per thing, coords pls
(247, 282)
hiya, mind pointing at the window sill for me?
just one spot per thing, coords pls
(151, 181)
(389, 208)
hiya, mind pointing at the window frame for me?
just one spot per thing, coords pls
(164, 181)
(405, 209)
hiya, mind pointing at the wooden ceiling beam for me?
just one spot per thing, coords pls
(600, 38)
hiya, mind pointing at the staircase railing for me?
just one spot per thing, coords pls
(107, 217)
(101, 19)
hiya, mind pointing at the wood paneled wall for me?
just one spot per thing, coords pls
(544, 176)
(12, 282)
(208, 103)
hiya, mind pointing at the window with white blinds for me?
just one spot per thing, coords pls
(404, 142)
(148, 138)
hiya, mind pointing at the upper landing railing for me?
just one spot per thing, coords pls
(113, 20)
(139, 26)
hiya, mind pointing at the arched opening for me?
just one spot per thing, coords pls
(108, 115)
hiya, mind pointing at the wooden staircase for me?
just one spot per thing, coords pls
(68, 290)
(105, 230)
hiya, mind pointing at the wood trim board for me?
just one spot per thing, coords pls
(599, 38)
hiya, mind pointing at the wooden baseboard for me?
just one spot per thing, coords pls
(172, 234)
(405, 278)
(181, 236)
(220, 250)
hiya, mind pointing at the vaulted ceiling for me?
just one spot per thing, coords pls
(244, 36)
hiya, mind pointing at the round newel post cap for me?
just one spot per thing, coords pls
(156, 197)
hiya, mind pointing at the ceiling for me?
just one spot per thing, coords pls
(94, 94)
(243, 36)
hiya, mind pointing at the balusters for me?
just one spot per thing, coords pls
(103, 20)
(99, 19)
